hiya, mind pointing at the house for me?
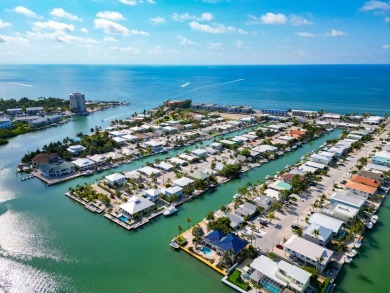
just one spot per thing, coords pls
(199, 175)
(341, 212)
(320, 159)
(216, 145)
(178, 162)
(76, 149)
(153, 194)
(223, 243)
(165, 166)
(272, 193)
(354, 136)
(382, 158)
(366, 181)
(316, 165)
(308, 252)
(15, 111)
(135, 205)
(330, 155)
(347, 198)
(131, 138)
(56, 170)
(374, 120)
(318, 234)
(172, 191)
(117, 133)
(227, 143)
(5, 123)
(156, 146)
(376, 167)
(265, 148)
(337, 151)
(200, 153)
(188, 158)
(327, 222)
(211, 151)
(235, 220)
(148, 171)
(115, 156)
(122, 141)
(307, 169)
(44, 158)
(376, 175)
(263, 201)
(183, 182)
(288, 177)
(264, 271)
(279, 185)
(83, 164)
(98, 159)
(286, 138)
(116, 179)
(361, 189)
(246, 210)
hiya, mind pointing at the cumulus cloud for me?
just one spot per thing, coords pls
(386, 46)
(4, 24)
(335, 33)
(13, 39)
(215, 28)
(128, 2)
(61, 13)
(59, 36)
(157, 20)
(214, 45)
(109, 39)
(184, 41)
(110, 27)
(239, 44)
(84, 30)
(278, 19)
(126, 49)
(298, 20)
(112, 15)
(305, 35)
(53, 25)
(25, 11)
(375, 5)
(274, 19)
(206, 16)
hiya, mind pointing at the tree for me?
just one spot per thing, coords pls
(197, 231)
(188, 220)
(222, 224)
(270, 216)
(245, 152)
(319, 261)
(230, 171)
(210, 216)
(316, 233)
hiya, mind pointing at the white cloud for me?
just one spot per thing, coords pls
(25, 11)
(215, 28)
(60, 36)
(84, 30)
(126, 49)
(110, 27)
(206, 16)
(4, 24)
(53, 25)
(13, 39)
(128, 2)
(387, 19)
(305, 35)
(386, 46)
(156, 50)
(214, 45)
(239, 44)
(335, 33)
(184, 41)
(59, 12)
(157, 20)
(109, 39)
(375, 5)
(112, 15)
(298, 20)
(274, 19)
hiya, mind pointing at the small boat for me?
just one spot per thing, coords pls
(236, 196)
(348, 259)
(174, 245)
(170, 210)
(370, 225)
(352, 253)
(357, 244)
(374, 219)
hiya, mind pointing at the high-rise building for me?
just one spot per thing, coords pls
(77, 103)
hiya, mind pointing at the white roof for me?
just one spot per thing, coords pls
(153, 192)
(149, 170)
(294, 272)
(265, 148)
(229, 142)
(98, 158)
(215, 144)
(272, 193)
(308, 249)
(119, 139)
(199, 152)
(153, 143)
(177, 161)
(267, 267)
(165, 166)
(130, 137)
(286, 137)
(326, 154)
(174, 189)
(383, 154)
(76, 148)
(306, 168)
(115, 155)
(132, 174)
(345, 210)
(324, 233)
(377, 167)
(315, 165)
(326, 221)
(115, 177)
(322, 158)
(136, 204)
(188, 157)
(183, 181)
(348, 197)
(83, 162)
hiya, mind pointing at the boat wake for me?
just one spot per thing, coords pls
(185, 84)
(20, 84)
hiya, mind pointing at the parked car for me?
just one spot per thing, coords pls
(263, 222)
(279, 246)
(295, 227)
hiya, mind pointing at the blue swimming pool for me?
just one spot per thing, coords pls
(206, 250)
(123, 218)
(270, 287)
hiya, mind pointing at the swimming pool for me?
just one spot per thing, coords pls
(207, 251)
(123, 218)
(270, 287)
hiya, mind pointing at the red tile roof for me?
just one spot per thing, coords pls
(366, 181)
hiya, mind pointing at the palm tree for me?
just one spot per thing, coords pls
(270, 216)
(319, 259)
(316, 233)
(180, 229)
(188, 220)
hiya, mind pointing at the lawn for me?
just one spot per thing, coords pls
(235, 278)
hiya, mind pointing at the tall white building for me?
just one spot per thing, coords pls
(77, 103)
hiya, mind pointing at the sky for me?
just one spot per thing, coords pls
(194, 32)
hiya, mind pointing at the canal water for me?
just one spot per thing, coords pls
(50, 243)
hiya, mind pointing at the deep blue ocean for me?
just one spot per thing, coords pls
(333, 88)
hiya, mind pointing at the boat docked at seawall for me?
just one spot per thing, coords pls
(348, 259)
(170, 210)
(370, 225)
(357, 244)
(352, 253)
(374, 219)
(174, 245)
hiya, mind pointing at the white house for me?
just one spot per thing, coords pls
(216, 145)
(98, 159)
(165, 166)
(317, 234)
(347, 198)
(153, 194)
(135, 205)
(328, 222)
(382, 158)
(308, 252)
(156, 146)
(340, 212)
(148, 171)
(116, 179)
(76, 149)
(183, 182)
(320, 159)
(175, 190)
(83, 164)
(56, 170)
(201, 153)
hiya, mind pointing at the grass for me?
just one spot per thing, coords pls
(235, 278)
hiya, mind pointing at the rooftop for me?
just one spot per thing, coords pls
(308, 249)
(361, 187)
(327, 222)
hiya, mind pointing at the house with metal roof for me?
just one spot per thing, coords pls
(347, 198)
(56, 170)
(246, 210)
(317, 234)
(116, 179)
(222, 242)
(382, 158)
(83, 164)
(135, 205)
(327, 222)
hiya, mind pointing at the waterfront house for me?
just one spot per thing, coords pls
(374, 120)
(200, 153)
(173, 191)
(320, 159)
(382, 158)
(337, 151)
(340, 211)
(51, 170)
(304, 113)
(272, 193)
(265, 148)
(288, 177)
(155, 145)
(316, 165)
(280, 275)
(227, 143)
(183, 182)
(116, 179)
(263, 201)
(188, 157)
(135, 205)
(361, 189)
(366, 181)
(76, 149)
(305, 168)
(44, 158)
(317, 234)
(178, 162)
(153, 194)
(347, 198)
(165, 166)
(308, 252)
(5, 123)
(235, 220)
(98, 159)
(130, 138)
(373, 174)
(330, 155)
(354, 136)
(148, 171)
(246, 210)
(376, 167)
(211, 151)
(328, 222)
(216, 145)
(15, 111)
(83, 164)
(114, 156)
(199, 175)
(122, 141)
(223, 243)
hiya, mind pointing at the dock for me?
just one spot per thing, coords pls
(27, 177)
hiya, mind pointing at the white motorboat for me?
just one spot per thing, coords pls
(352, 253)
(357, 244)
(174, 245)
(170, 210)
(370, 225)
(374, 219)
(348, 259)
